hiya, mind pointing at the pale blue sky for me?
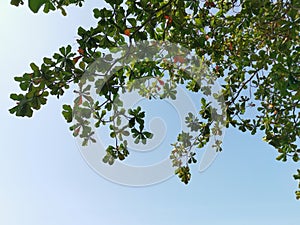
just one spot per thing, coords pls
(45, 181)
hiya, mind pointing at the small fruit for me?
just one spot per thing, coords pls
(230, 46)
(75, 60)
(79, 100)
(169, 19)
(76, 131)
(127, 32)
(179, 59)
(161, 82)
(210, 4)
(80, 51)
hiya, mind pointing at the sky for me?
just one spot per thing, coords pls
(45, 180)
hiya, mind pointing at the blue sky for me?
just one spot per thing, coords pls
(44, 180)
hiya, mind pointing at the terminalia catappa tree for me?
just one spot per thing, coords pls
(251, 45)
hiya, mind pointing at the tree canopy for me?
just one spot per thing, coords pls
(251, 46)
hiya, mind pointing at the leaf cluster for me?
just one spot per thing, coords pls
(250, 46)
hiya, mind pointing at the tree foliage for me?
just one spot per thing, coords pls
(252, 46)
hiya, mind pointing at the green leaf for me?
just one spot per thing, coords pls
(16, 2)
(35, 5)
(132, 22)
(47, 61)
(63, 11)
(34, 67)
(67, 113)
(15, 97)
